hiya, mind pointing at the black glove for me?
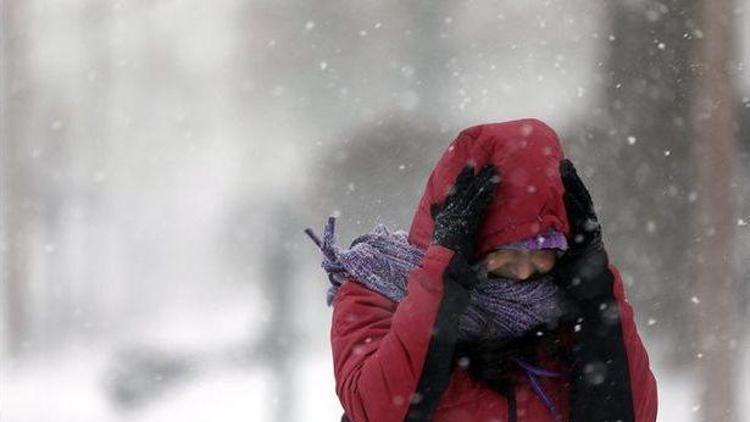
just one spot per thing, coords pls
(600, 388)
(582, 271)
(457, 219)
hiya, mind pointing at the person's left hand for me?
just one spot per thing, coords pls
(582, 271)
(598, 350)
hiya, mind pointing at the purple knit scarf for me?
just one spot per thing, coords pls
(498, 308)
(381, 260)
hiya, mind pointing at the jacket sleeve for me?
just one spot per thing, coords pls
(642, 379)
(612, 379)
(393, 361)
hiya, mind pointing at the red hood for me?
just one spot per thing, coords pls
(529, 198)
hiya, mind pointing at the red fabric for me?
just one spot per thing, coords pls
(379, 347)
(529, 198)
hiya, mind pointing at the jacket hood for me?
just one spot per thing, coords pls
(529, 197)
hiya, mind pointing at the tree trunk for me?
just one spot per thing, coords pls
(17, 204)
(716, 288)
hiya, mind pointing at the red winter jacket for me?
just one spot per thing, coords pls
(389, 357)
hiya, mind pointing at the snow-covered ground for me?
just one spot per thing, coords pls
(69, 386)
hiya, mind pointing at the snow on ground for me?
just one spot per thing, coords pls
(69, 385)
(238, 396)
(62, 387)
(676, 396)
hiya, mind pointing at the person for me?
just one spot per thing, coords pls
(501, 304)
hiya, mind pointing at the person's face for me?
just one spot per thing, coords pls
(519, 264)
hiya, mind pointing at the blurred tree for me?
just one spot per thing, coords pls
(714, 122)
(278, 340)
(742, 248)
(18, 204)
(88, 160)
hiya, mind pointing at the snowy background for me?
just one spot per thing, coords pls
(162, 158)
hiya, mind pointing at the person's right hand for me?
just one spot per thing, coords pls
(458, 217)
